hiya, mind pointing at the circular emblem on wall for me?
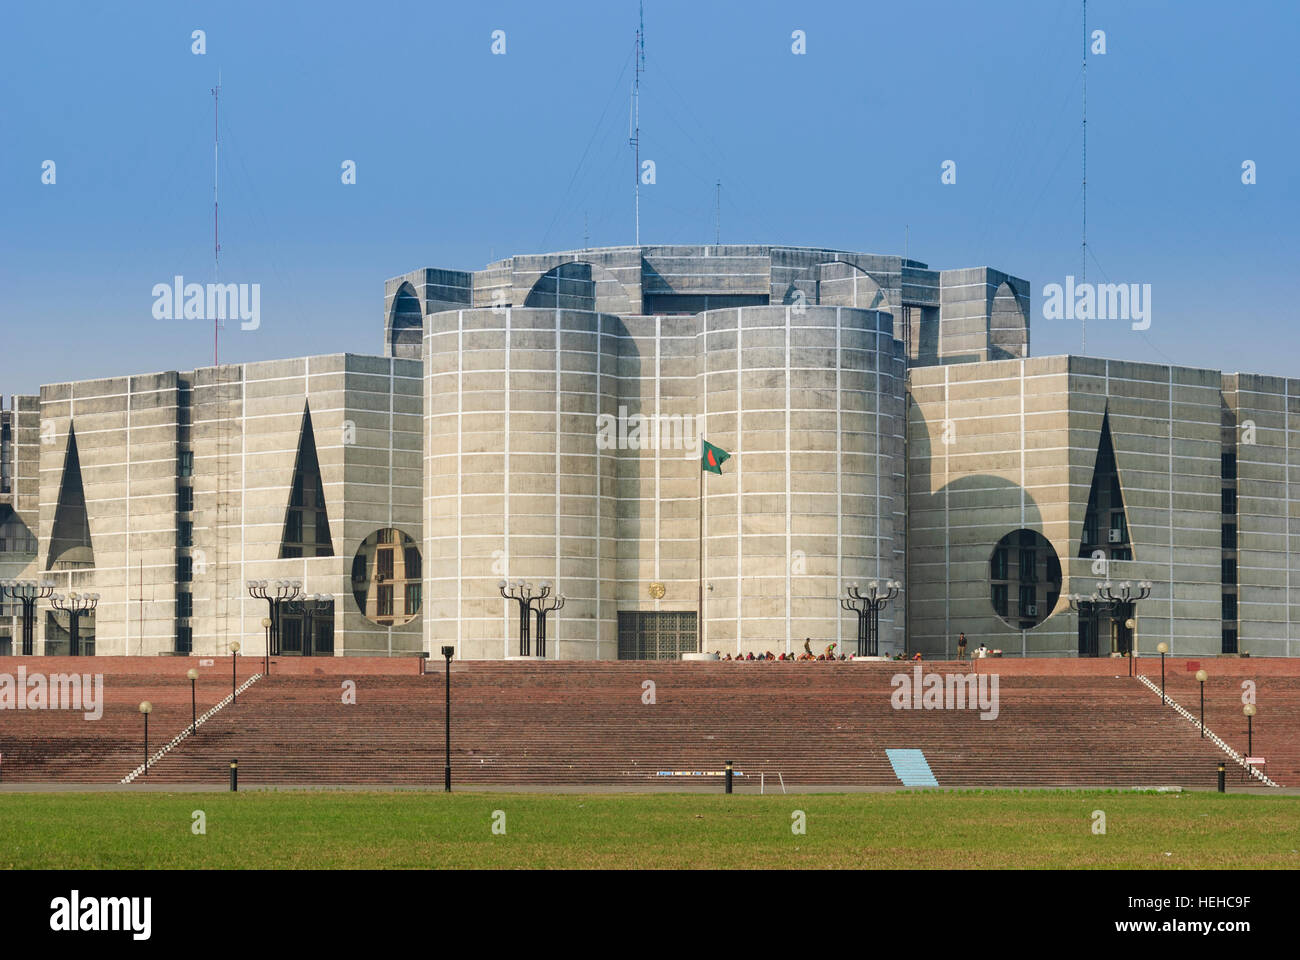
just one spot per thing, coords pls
(657, 591)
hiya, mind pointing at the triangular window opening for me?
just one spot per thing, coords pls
(70, 546)
(1105, 525)
(306, 522)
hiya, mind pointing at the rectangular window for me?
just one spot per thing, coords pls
(295, 498)
(1229, 466)
(998, 566)
(386, 535)
(385, 601)
(291, 635)
(1229, 536)
(1229, 501)
(384, 564)
(1229, 641)
(412, 561)
(1028, 601)
(1229, 606)
(1000, 599)
(293, 527)
(1090, 527)
(322, 527)
(184, 604)
(1028, 566)
(359, 568)
(184, 499)
(184, 639)
(412, 598)
(184, 569)
(652, 635)
(185, 533)
(1229, 570)
(186, 466)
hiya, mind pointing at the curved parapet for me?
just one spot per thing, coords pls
(579, 285)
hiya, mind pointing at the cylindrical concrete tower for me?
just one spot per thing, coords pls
(809, 401)
(513, 473)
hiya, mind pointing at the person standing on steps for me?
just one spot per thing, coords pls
(961, 647)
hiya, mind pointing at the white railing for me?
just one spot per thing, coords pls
(190, 728)
(1211, 735)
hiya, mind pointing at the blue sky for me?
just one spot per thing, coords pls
(463, 156)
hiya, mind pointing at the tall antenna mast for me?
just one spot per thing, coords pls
(216, 230)
(1083, 276)
(635, 139)
(717, 215)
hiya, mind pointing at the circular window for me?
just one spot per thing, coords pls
(1024, 579)
(386, 578)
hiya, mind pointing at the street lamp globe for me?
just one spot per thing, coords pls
(1162, 647)
(234, 646)
(192, 674)
(146, 707)
(1202, 676)
(1248, 709)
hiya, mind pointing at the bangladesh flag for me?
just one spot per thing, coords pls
(712, 458)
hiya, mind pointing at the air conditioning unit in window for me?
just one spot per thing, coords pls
(1115, 536)
(1031, 610)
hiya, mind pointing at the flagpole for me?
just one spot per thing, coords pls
(700, 608)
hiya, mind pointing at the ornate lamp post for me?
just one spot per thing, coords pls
(1077, 600)
(313, 605)
(74, 605)
(27, 592)
(1163, 648)
(1201, 677)
(274, 592)
(194, 709)
(871, 603)
(1124, 600)
(864, 622)
(146, 708)
(543, 608)
(1249, 711)
(523, 593)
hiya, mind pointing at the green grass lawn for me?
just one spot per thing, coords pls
(309, 829)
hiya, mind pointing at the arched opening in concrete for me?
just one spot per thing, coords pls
(1008, 329)
(406, 325)
(579, 285)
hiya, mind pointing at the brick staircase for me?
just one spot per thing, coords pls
(1060, 723)
(61, 746)
(1276, 725)
(586, 723)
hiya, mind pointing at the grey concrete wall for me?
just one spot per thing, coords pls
(517, 486)
(1000, 446)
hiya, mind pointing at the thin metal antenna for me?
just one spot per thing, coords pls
(717, 215)
(907, 236)
(216, 230)
(1083, 275)
(586, 232)
(635, 139)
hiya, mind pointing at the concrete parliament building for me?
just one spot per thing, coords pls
(541, 419)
